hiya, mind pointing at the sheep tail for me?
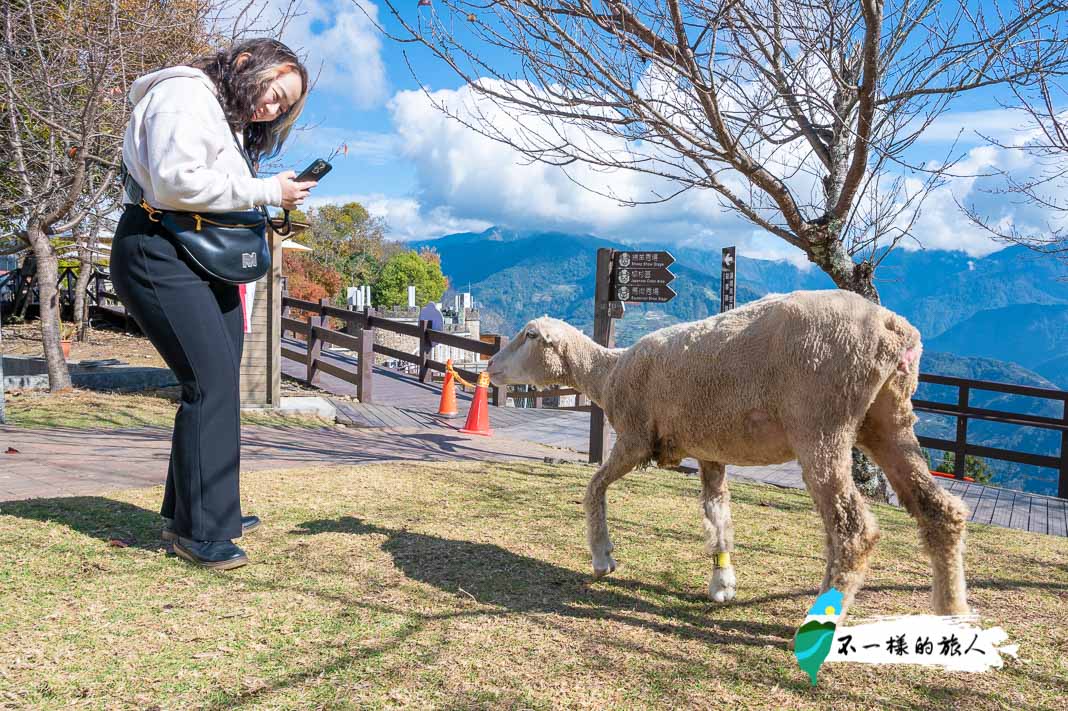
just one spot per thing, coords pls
(905, 345)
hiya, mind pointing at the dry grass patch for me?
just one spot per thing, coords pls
(466, 586)
(103, 341)
(85, 409)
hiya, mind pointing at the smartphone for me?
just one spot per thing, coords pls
(315, 171)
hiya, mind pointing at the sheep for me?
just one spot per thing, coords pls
(806, 375)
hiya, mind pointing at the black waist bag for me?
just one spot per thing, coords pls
(230, 247)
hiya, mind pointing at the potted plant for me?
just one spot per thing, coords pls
(66, 334)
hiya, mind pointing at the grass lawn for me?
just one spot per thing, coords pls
(466, 586)
(92, 409)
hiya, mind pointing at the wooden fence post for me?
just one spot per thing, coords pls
(285, 308)
(603, 333)
(500, 393)
(365, 381)
(424, 351)
(962, 433)
(315, 346)
(1062, 483)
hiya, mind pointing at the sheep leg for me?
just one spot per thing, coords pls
(719, 530)
(941, 517)
(619, 462)
(850, 528)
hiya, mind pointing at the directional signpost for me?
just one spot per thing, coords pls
(623, 277)
(640, 277)
(726, 280)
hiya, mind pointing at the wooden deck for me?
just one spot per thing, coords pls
(402, 402)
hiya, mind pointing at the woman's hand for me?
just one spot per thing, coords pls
(293, 193)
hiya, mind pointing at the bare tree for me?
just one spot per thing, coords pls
(796, 114)
(1042, 137)
(66, 72)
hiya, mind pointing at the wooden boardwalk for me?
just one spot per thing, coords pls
(402, 402)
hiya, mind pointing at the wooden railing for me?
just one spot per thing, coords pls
(537, 398)
(315, 331)
(12, 283)
(963, 411)
(65, 284)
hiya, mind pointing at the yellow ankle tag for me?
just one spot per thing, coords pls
(722, 560)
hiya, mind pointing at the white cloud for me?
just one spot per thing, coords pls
(970, 127)
(477, 178)
(942, 225)
(466, 177)
(343, 48)
(405, 218)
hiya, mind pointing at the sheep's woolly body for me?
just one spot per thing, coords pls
(806, 375)
(742, 381)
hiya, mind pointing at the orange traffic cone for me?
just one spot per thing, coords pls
(478, 416)
(447, 407)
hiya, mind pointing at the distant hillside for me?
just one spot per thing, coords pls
(1029, 334)
(516, 276)
(936, 290)
(1056, 370)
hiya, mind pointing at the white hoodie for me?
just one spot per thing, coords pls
(180, 150)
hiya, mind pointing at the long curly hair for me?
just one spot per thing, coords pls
(240, 85)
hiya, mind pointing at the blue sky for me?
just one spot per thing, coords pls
(428, 176)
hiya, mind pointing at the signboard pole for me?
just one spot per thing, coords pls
(604, 334)
(726, 280)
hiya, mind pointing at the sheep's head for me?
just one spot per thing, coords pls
(533, 356)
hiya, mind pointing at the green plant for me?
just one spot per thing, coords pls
(410, 268)
(975, 467)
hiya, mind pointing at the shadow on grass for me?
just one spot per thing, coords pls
(495, 576)
(95, 516)
(516, 584)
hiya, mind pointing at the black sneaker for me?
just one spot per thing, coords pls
(217, 555)
(248, 525)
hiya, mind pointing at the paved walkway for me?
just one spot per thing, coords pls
(72, 462)
(401, 425)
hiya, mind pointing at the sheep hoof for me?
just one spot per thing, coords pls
(603, 567)
(723, 586)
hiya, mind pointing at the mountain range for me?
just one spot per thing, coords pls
(1003, 317)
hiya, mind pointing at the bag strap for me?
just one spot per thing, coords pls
(281, 227)
(132, 194)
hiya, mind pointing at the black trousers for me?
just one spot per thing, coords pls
(197, 327)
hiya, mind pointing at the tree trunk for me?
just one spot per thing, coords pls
(47, 275)
(829, 256)
(827, 253)
(86, 239)
(81, 299)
